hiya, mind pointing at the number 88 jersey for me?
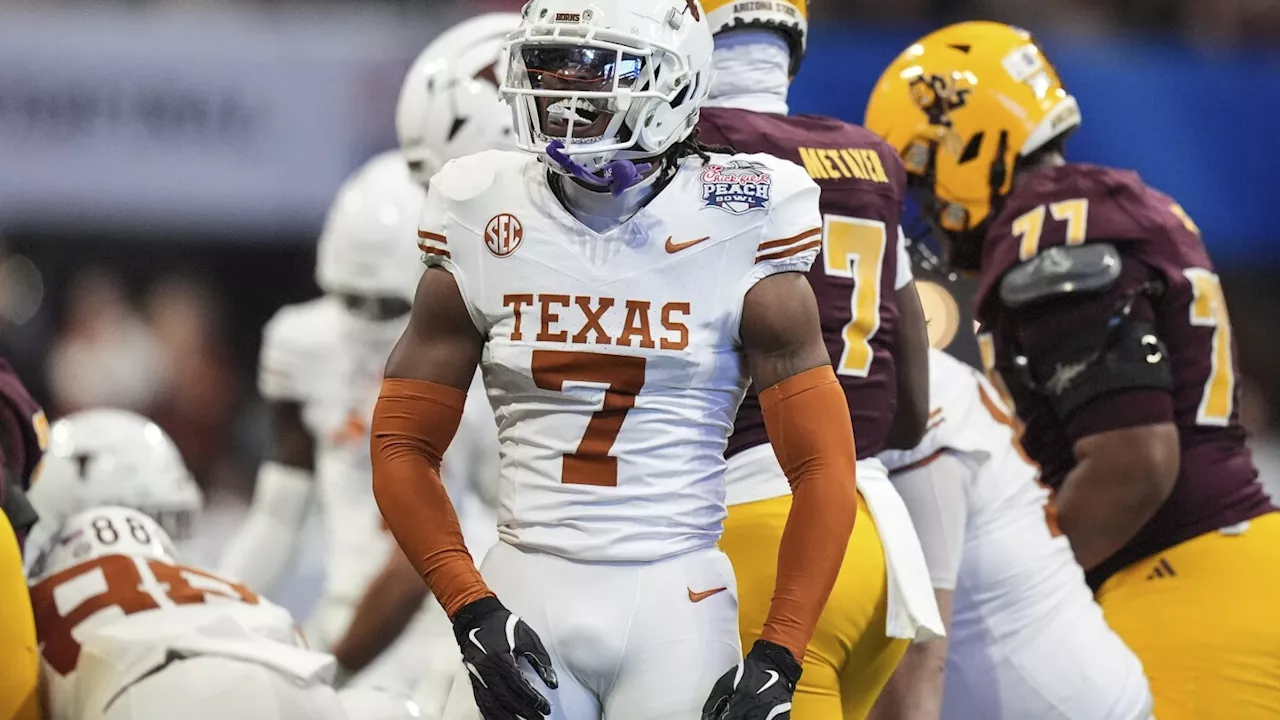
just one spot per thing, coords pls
(110, 602)
(612, 359)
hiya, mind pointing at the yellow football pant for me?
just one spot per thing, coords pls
(850, 658)
(19, 657)
(1204, 618)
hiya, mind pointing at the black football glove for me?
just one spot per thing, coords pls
(491, 638)
(758, 689)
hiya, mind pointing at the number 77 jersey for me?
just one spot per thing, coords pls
(1042, 350)
(612, 359)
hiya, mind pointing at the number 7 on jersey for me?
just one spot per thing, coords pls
(854, 248)
(623, 376)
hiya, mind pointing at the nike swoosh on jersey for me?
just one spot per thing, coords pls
(700, 596)
(677, 247)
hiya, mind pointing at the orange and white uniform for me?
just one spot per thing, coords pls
(614, 369)
(127, 633)
(1027, 639)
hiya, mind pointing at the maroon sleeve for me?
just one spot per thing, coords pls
(1040, 328)
(12, 450)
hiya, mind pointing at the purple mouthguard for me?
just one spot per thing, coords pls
(618, 175)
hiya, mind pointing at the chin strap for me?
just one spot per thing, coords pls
(618, 175)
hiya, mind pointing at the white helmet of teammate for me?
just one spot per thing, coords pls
(113, 457)
(449, 104)
(607, 79)
(367, 250)
(99, 531)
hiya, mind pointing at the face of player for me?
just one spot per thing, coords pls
(573, 69)
(374, 308)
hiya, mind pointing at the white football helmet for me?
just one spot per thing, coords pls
(607, 78)
(99, 531)
(367, 249)
(449, 105)
(113, 457)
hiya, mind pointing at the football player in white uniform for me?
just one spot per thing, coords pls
(619, 284)
(321, 365)
(449, 107)
(112, 457)
(1026, 639)
(127, 633)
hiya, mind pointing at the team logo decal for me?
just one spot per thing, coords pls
(503, 234)
(937, 96)
(737, 186)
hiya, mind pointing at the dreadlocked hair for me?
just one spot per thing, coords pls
(690, 146)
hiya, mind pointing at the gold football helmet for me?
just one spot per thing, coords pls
(789, 17)
(962, 106)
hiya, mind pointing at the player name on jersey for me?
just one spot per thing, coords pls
(836, 163)
(598, 320)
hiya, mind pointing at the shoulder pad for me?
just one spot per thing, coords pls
(466, 177)
(1061, 270)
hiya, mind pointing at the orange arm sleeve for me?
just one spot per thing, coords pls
(807, 418)
(413, 424)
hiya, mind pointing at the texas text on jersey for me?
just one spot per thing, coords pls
(1166, 284)
(644, 320)
(855, 275)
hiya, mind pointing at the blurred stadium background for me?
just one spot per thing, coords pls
(165, 166)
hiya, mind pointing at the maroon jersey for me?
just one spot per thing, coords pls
(863, 184)
(1158, 243)
(23, 435)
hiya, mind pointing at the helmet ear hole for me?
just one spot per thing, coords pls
(680, 97)
(972, 148)
(999, 168)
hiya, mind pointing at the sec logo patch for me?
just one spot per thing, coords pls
(503, 234)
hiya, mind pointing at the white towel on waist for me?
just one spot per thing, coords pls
(913, 610)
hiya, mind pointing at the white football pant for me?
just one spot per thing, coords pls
(629, 641)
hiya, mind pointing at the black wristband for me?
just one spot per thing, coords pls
(472, 613)
(780, 657)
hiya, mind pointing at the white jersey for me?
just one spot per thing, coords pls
(313, 353)
(612, 359)
(968, 416)
(1026, 637)
(106, 623)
